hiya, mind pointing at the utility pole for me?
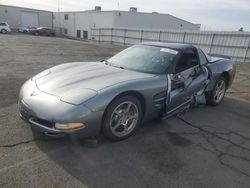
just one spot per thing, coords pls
(58, 6)
(59, 17)
(118, 5)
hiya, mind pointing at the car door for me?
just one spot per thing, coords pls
(188, 78)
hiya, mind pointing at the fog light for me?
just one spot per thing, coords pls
(67, 126)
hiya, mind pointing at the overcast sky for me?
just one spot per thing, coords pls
(212, 14)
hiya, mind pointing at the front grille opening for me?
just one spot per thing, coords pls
(44, 122)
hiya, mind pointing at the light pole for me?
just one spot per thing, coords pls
(59, 17)
(58, 6)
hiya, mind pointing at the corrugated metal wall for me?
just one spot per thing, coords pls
(233, 44)
(13, 15)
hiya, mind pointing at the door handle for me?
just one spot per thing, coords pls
(180, 77)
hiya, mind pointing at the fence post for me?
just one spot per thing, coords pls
(211, 46)
(99, 35)
(184, 37)
(141, 35)
(111, 39)
(159, 39)
(91, 34)
(125, 33)
(248, 47)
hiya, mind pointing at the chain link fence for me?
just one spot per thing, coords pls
(236, 45)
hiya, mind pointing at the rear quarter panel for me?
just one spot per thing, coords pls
(216, 69)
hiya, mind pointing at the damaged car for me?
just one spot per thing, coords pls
(115, 96)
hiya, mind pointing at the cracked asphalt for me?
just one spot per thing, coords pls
(205, 147)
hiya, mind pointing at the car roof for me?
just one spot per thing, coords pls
(176, 46)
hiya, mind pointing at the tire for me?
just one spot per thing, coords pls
(216, 96)
(4, 31)
(122, 118)
(36, 33)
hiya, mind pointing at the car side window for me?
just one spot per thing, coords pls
(2, 24)
(187, 60)
(203, 59)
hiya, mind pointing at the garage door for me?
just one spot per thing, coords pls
(29, 19)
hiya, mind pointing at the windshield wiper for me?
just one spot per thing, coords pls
(105, 61)
(112, 64)
(117, 66)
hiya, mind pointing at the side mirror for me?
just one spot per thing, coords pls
(178, 80)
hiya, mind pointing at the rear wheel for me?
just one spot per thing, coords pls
(122, 118)
(216, 96)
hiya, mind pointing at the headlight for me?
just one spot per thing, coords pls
(78, 96)
(68, 126)
(41, 74)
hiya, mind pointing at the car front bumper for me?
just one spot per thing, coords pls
(42, 111)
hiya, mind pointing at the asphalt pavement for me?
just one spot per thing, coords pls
(205, 147)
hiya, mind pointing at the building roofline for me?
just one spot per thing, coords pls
(112, 11)
(26, 8)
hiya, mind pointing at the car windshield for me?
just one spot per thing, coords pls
(143, 58)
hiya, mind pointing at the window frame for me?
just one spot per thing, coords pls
(180, 56)
(3, 24)
(65, 31)
(66, 16)
(202, 54)
(78, 31)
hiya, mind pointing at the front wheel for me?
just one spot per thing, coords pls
(216, 96)
(4, 31)
(122, 118)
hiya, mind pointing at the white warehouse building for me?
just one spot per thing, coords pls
(23, 17)
(79, 24)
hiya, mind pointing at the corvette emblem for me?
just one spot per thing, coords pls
(33, 93)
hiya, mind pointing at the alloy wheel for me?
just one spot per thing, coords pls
(220, 89)
(124, 119)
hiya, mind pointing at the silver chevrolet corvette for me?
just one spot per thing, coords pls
(115, 96)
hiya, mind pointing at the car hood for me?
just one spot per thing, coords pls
(72, 77)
